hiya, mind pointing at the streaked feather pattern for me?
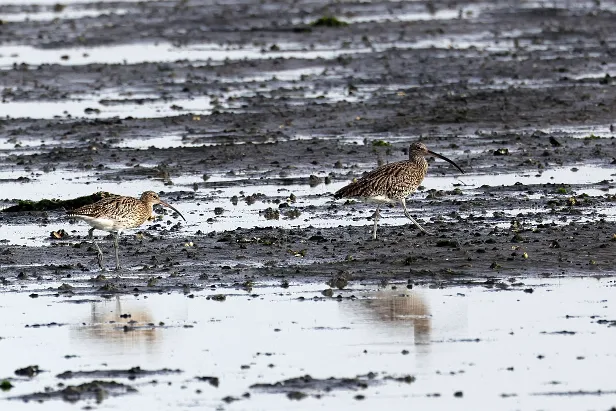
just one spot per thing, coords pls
(128, 212)
(117, 213)
(393, 181)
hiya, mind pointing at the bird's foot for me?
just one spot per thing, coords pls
(118, 267)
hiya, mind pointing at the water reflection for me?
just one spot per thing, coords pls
(400, 311)
(478, 341)
(111, 324)
(400, 308)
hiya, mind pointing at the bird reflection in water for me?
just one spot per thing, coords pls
(111, 325)
(402, 307)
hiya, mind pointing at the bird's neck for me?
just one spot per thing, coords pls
(420, 164)
(419, 160)
(149, 206)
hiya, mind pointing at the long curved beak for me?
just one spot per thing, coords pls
(174, 209)
(446, 159)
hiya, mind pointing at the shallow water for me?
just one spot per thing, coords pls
(148, 103)
(52, 15)
(76, 108)
(137, 53)
(164, 52)
(501, 349)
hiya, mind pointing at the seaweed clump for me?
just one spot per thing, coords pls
(55, 204)
(329, 21)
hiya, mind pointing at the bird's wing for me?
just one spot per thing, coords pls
(112, 206)
(379, 181)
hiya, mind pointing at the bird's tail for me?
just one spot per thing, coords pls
(346, 191)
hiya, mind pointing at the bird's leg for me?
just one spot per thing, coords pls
(376, 217)
(116, 236)
(406, 213)
(99, 257)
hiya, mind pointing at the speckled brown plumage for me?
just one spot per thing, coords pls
(117, 213)
(122, 212)
(393, 182)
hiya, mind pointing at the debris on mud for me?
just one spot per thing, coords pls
(60, 234)
(329, 21)
(29, 371)
(213, 381)
(94, 390)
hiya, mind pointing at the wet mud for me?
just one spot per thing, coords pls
(528, 91)
(247, 117)
(301, 387)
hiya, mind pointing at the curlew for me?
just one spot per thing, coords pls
(393, 182)
(116, 214)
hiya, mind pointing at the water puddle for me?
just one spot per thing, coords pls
(583, 131)
(91, 106)
(212, 53)
(571, 6)
(65, 14)
(54, 184)
(164, 52)
(473, 348)
(161, 142)
(572, 175)
(172, 140)
(114, 102)
(422, 14)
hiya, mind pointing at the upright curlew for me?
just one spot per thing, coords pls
(393, 182)
(118, 213)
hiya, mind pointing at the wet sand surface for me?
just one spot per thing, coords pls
(247, 117)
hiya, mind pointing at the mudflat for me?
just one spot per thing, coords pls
(247, 116)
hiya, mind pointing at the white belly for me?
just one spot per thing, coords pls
(105, 224)
(378, 199)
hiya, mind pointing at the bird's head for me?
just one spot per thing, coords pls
(420, 150)
(151, 198)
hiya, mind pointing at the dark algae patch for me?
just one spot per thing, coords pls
(55, 204)
(329, 21)
(5, 385)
